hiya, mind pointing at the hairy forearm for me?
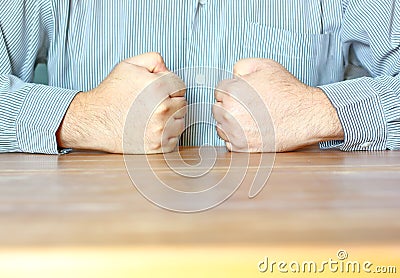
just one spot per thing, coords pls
(69, 130)
(325, 120)
(305, 117)
(75, 129)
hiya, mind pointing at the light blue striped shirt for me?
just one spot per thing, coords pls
(322, 42)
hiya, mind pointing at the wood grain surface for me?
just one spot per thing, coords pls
(79, 215)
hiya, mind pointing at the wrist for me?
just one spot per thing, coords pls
(73, 130)
(325, 119)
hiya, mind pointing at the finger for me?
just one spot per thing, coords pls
(171, 134)
(229, 146)
(169, 83)
(178, 86)
(152, 61)
(238, 92)
(178, 93)
(247, 66)
(173, 108)
(219, 95)
(174, 141)
(164, 85)
(218, 112)
(169, 145)
(221, 133)
(180, 113)
(223, 89)
(174, 128)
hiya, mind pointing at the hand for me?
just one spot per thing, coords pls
(139, 108)
(266, 109)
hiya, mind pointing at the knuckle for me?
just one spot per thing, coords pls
(227, 116)
(218, 112)
(154, 131)
(215, 110)
(152, 145)
(181, 127)
(156, 56)
(238, 142)
(221, 133)
(168, 148)
(180, 113)
(184, 103)
(163, 108)
(156, 146)
(224, 85)
(181, 103)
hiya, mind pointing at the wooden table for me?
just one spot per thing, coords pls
(79, 215)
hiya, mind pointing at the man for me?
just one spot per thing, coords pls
(86, 104)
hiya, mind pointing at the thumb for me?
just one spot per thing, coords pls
(248, 66)
(152, 61)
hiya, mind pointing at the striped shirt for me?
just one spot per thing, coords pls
(350, 48)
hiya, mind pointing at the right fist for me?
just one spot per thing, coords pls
(139, 108)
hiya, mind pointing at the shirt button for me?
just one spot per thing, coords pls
(366, 145)
(202, 2)
(200, 79)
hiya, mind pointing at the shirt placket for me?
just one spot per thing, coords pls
(196, 30)
(197, 74)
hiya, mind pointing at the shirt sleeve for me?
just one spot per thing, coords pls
(369, 107)
(30, 114)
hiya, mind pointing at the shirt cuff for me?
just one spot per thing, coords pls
(39, 118)
(362, 105)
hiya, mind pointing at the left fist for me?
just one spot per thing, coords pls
(264, 108)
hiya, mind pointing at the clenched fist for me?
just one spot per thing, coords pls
(266, 109)
(139, 108)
